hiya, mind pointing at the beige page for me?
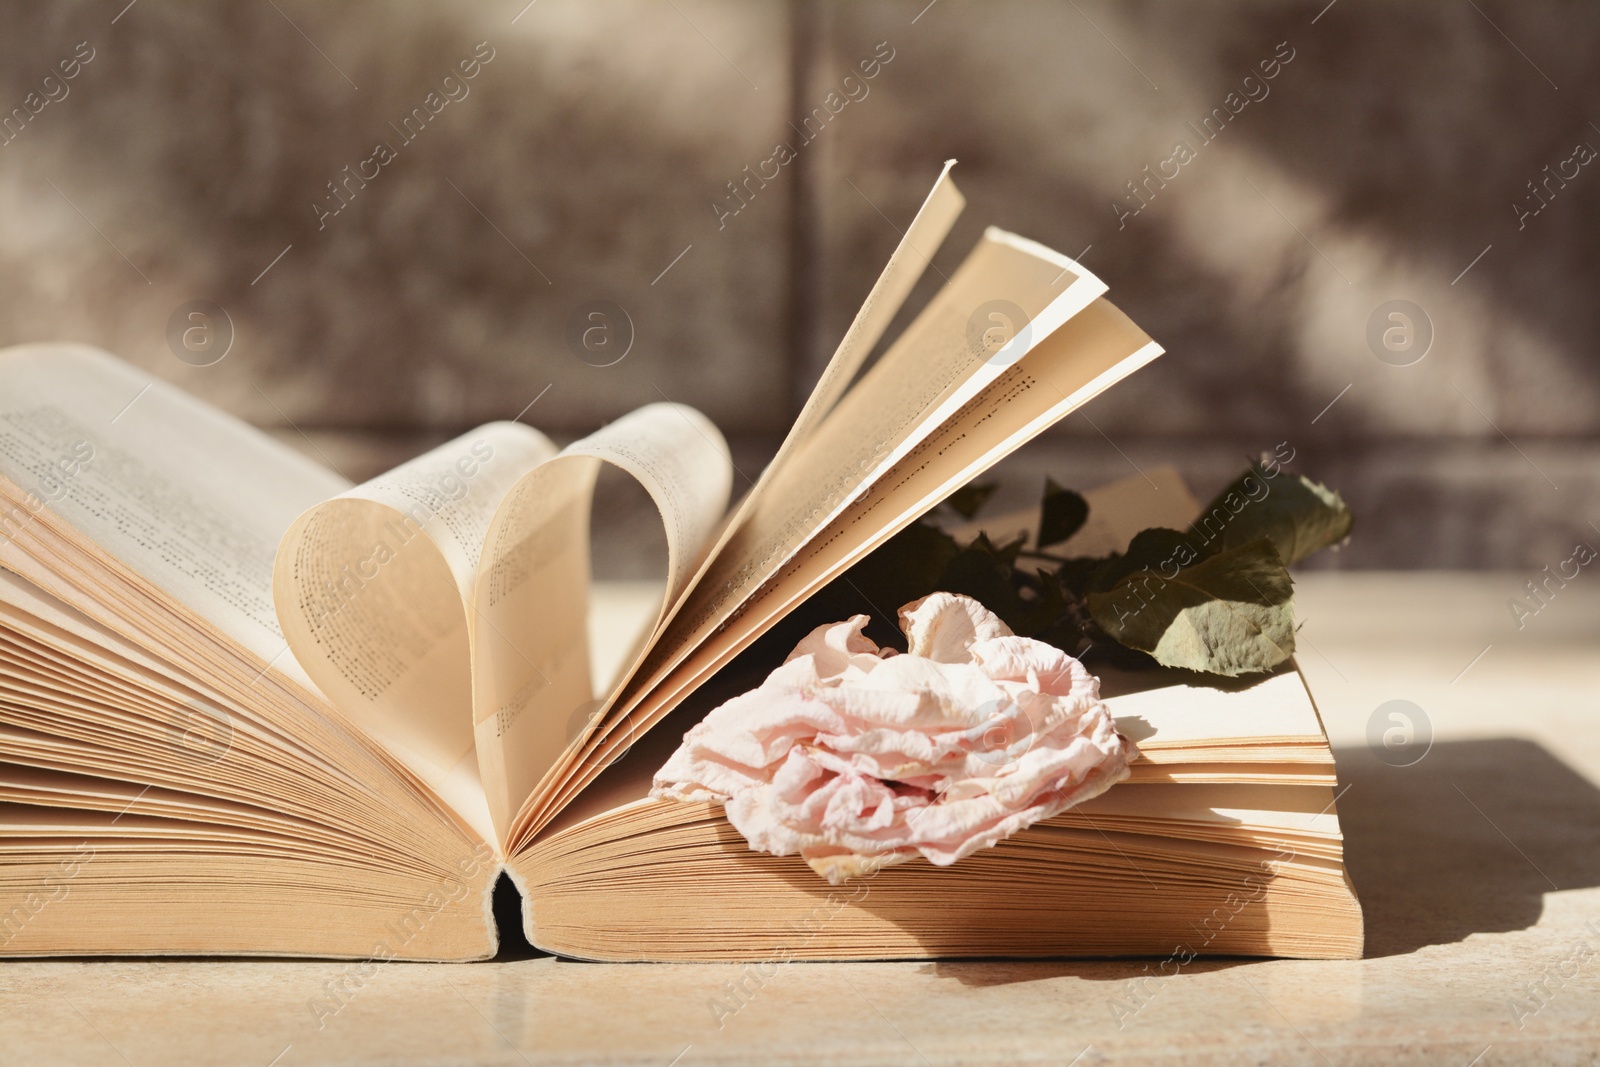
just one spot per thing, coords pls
(532, 692)
(73, 727)
(443, 605)
(371, 588)
(943, 360)
(157, 518)
(906, 266)
(161, 489)
(939, 211)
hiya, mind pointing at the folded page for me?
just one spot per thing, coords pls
(371, 588)
(531, 683)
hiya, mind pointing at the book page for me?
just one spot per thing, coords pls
(944, 359)
(928, 374)
(189, 499)
(906, 266)
(1157, 712)
(1073, 364)
(888, 294)
(532, 695)
(73, 641)
(371, 589)
(1304, 812)
(158, 518)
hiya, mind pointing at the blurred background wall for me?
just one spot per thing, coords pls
(380, 302)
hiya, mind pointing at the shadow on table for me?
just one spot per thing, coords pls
(1466, 841)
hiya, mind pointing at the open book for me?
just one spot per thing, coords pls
(247, 707)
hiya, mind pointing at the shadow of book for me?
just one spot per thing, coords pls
(1465, 841)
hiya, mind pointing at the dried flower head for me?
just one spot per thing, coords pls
(855, 757)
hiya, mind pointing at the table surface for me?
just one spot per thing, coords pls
(1478, 867)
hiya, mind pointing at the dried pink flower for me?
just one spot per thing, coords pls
(856, 758)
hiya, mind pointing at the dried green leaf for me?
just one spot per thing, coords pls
(1061, 514)
(1298, 515)
(1158, 550)
(969, 499)
(907, 567)
(1231, 613)
(980, 572)
(1075, 574)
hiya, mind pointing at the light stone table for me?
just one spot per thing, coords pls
(1478, 867)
